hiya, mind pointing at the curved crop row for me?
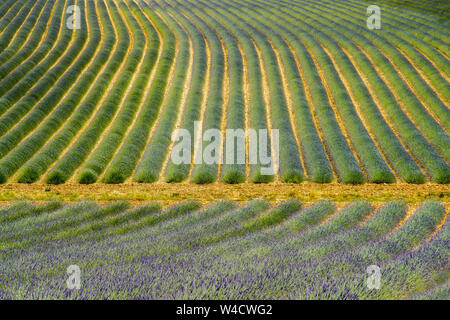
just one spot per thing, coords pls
(146, 117)
(57, 38)
(384, 220)
(375, 166)
(168, 222)
(389, 61)
(325, 222)
(213, 99)
(196, 235)
(11, 14)
(11, 163)
(152, 161)
(209, 247)
(411, 136)
(104, 152)
(176, 210)
(29, 90)
(177, 172)
(50, 153)
(78, 152)
(15, 26)
(30, 145)
(256, 108)
(6, 6)
(22, 119)
(34, 39)
(21, 210)
(349, 103)
(33, 227)
(346, 218)
(390, 146)
(290, 166)
(40, 13)
(233, 171)
(412, 16)
(422, 38)
(128, 156)
(71, 222)
(344, 161)
(412, 233)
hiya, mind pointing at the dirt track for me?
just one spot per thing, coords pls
(169, 193)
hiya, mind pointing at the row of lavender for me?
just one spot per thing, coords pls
(224, 250)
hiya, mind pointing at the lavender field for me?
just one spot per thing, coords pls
(225, 250)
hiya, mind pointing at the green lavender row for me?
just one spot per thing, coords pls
(421, 38)
(314, 154)
(377, 46)
(6, 6)
(257, 108)
(398, 157)
(125, 161)
(374, 165)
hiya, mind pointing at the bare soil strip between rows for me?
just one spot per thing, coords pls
(434, 64)
(73, 178)
(23, 22)
(167, 89)
(13, 17)
(7, 11)
(247, 110)
(187, 87)
(438, 227)
(226, 98)
(131, 84)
